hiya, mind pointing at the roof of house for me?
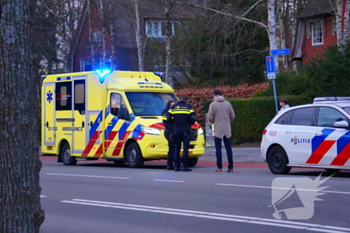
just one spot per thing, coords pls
(318, 7)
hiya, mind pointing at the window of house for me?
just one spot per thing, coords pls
(96, 36)
(156, 29)
(85, 66)
(316, 33)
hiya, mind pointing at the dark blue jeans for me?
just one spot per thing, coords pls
(227, 143)
(169, 135)
(184, 137)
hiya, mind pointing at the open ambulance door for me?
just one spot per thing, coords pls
(49, 117)
(80, 127)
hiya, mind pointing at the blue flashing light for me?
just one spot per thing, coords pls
(102, 74)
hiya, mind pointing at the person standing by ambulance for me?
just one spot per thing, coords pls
(169, 135)
(221, 115)
(183, 117)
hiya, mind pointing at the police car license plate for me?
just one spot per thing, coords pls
(189, 153)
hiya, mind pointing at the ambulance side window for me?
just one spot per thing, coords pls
(115, 103)
(63, 96)
(79, 96)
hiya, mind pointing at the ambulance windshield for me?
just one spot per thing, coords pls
(149, 103)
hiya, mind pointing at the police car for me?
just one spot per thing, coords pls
(313, 135)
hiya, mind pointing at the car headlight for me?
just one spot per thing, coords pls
(152, 131)
(200, 131)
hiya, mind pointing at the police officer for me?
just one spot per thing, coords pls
(169, 135)
(183, 117)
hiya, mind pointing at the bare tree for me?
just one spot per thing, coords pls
(19, 160)
(139, 40)
(168, 68)
(112, 28)
(91, 39)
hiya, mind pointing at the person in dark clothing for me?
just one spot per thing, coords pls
(183, 117)
(169, 135)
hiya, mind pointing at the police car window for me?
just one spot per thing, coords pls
(327, 117)
(284, 119)
(115, 103)
(347, 109)
(303, 116)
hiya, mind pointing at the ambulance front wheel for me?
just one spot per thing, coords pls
(133, 155)
(66, 157)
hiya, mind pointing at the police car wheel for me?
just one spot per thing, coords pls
(277, 160)
(192, 162)
(133, 155)
(66, 157)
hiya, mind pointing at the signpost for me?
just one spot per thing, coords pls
(271, 75)
(271, 69)
(277, 52)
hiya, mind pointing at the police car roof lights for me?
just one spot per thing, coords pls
(331, 99)
(102, 74)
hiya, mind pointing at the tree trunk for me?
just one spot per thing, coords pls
(271, 27)
(19, 132)
(168, 68)
(103, 32)
(91, 40)
(139, 35)
(280, 6)
(111, 25)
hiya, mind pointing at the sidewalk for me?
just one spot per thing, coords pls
(240, 155)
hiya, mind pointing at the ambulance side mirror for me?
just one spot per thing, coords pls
(123, 114)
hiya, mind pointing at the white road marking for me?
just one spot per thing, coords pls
(269, 187)
(89, 176)
(173, 181)
(42, 196)
(214, 216)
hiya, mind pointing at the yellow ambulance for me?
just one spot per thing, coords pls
(115, 115)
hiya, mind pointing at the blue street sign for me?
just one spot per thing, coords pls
(270, 64)
(280, 52)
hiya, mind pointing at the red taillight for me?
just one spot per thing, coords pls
(264, 132)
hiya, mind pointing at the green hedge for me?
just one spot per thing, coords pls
(253, 115)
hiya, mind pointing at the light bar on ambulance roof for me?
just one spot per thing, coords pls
(331, 99)
(102, 74)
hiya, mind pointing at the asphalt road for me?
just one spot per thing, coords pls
(100, 197)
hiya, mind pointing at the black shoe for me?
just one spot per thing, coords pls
(186, 170)
(170, 168)
(177, 169)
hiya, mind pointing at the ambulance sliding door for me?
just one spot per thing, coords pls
(49, 116)
(80, 128)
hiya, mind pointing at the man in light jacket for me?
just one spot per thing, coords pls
(221, 115)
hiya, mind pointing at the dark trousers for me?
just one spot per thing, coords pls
(227, 143)
(181, 136)
(169, 135)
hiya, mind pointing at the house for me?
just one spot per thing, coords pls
(112, 29)
(316, 30)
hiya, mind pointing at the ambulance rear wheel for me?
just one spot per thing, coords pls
(66, 157)
(277, 160)
(133, 155)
